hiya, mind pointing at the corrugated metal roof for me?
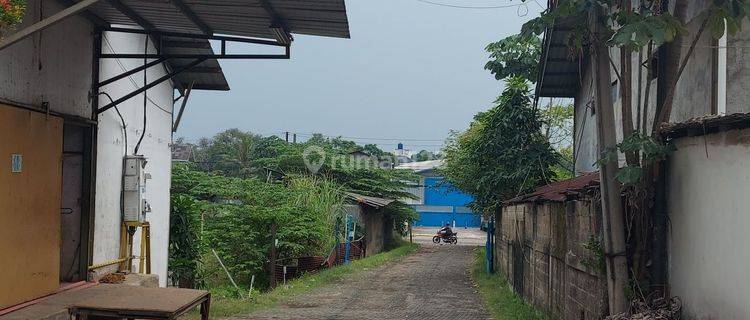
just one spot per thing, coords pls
(205, 76)
(559, 74)
(421, 166)
(561, 190)
(243, 18)
(704, 125)
(374, 202)
(246, 18)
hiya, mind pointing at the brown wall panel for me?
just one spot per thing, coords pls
(29, 204)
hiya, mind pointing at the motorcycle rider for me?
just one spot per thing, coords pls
(446, 231)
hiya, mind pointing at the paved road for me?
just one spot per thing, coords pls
(414, 288)
(466, 237)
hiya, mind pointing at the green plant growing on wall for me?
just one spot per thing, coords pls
(651, 151)
(596, 251)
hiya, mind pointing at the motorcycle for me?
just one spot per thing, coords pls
(446, 238)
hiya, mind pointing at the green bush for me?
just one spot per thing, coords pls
(238, 215)
(184, 240)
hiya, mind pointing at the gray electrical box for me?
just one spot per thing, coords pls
(134, 189)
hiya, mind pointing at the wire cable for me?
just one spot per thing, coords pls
(122, 175)
(124, 126)
(132, 80)
(145, 99)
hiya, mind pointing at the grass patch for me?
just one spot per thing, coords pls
(501, 301)
(224, 306)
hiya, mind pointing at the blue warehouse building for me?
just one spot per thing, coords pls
(439, 202)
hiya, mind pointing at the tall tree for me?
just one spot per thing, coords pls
(503, 153)
(516, 55)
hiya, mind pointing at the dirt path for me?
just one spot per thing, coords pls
(417, 287)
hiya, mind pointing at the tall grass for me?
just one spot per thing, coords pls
(321, 199)
(502, 302)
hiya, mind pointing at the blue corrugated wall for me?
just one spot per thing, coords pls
(440, 193)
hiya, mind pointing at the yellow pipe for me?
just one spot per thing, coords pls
(108, 263)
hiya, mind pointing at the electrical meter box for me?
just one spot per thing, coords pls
(134, 189)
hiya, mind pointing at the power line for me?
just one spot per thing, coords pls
(471, 7)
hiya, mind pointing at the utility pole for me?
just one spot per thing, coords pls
(349, 235)
(272, 257)
(612, 212)
(287, 136)
(294, 138)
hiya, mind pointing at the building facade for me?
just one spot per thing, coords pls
(706, 177)
(437, 201)
(83, 84)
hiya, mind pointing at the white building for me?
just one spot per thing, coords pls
(62, 141)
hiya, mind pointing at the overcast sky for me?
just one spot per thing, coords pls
(411, 71)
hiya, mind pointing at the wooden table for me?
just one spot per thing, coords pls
(129, 302)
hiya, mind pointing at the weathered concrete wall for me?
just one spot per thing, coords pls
(374, 231)
(585, 145)
(540, 251)
(738, 71)
(374, 225)
(693, 94)
(111, 149)
(708, 188)
(52, 66)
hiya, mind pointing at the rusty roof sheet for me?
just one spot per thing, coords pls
(374, 202)
(561, 190)
(704, 125)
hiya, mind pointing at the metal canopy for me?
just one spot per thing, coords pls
(205, 76)
(181, 30)
(245, 18)
(559, 72)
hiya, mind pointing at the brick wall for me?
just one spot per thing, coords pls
(540, 250)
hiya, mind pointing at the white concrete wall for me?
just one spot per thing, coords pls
(52, 66)
(708, 209)
(155, 146)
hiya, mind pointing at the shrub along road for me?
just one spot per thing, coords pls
(432, 283)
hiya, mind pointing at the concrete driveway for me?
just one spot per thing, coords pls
(432, 283)
(466, 237)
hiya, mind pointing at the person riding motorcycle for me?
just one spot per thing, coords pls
(446, 231)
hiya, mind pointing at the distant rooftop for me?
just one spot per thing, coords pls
(421, 166)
